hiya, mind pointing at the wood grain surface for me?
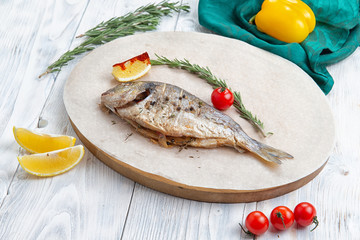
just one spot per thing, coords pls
(94, 202)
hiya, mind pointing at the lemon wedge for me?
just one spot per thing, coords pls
(132, 69)
(52, 163)
(40, 143)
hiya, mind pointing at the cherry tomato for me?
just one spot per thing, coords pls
(222, 98)
(305, 214)
(257, 223)
(281, 217)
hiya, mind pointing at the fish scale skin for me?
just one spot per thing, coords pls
(164, 116)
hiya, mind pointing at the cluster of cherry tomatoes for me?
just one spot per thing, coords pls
(281, 218)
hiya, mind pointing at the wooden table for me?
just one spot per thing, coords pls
(94, 202)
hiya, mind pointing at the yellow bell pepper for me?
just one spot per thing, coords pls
(286, 20)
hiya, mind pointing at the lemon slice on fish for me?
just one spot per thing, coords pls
(40, 143)
(52, 163)
(132, 69)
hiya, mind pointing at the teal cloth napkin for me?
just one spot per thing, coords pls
(336, 35)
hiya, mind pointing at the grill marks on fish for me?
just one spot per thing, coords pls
(172, 116)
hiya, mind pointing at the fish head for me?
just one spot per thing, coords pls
(127, 94)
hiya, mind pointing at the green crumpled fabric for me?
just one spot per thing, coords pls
(336, 35)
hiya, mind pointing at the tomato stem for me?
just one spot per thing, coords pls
(246, 232)
(279, 215)
(316, 222)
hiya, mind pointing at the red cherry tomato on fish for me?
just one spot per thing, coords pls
(222, 98)
(257, 223)
(305, 214)
(281, 217)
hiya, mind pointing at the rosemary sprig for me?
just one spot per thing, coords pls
(215, 82)
(143, 19)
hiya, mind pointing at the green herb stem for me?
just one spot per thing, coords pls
(143, 19)
(206, 74)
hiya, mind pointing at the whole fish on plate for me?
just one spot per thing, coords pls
(172, 116)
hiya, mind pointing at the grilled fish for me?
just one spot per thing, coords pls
(172, 116)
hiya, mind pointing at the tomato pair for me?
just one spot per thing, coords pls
(281, 218)
(304, 214)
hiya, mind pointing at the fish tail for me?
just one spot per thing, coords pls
(266, 152)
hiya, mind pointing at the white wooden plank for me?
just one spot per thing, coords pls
(189, 22)
(156, 215)
(99, 196)
(22, 93)
(42, 207)
(337, 188)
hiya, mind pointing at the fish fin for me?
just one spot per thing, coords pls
(239, 149)
(266, 152)
(271, 154)
(162, 141)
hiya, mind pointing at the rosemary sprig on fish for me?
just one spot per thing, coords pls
(171, 116)
(206, 74)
